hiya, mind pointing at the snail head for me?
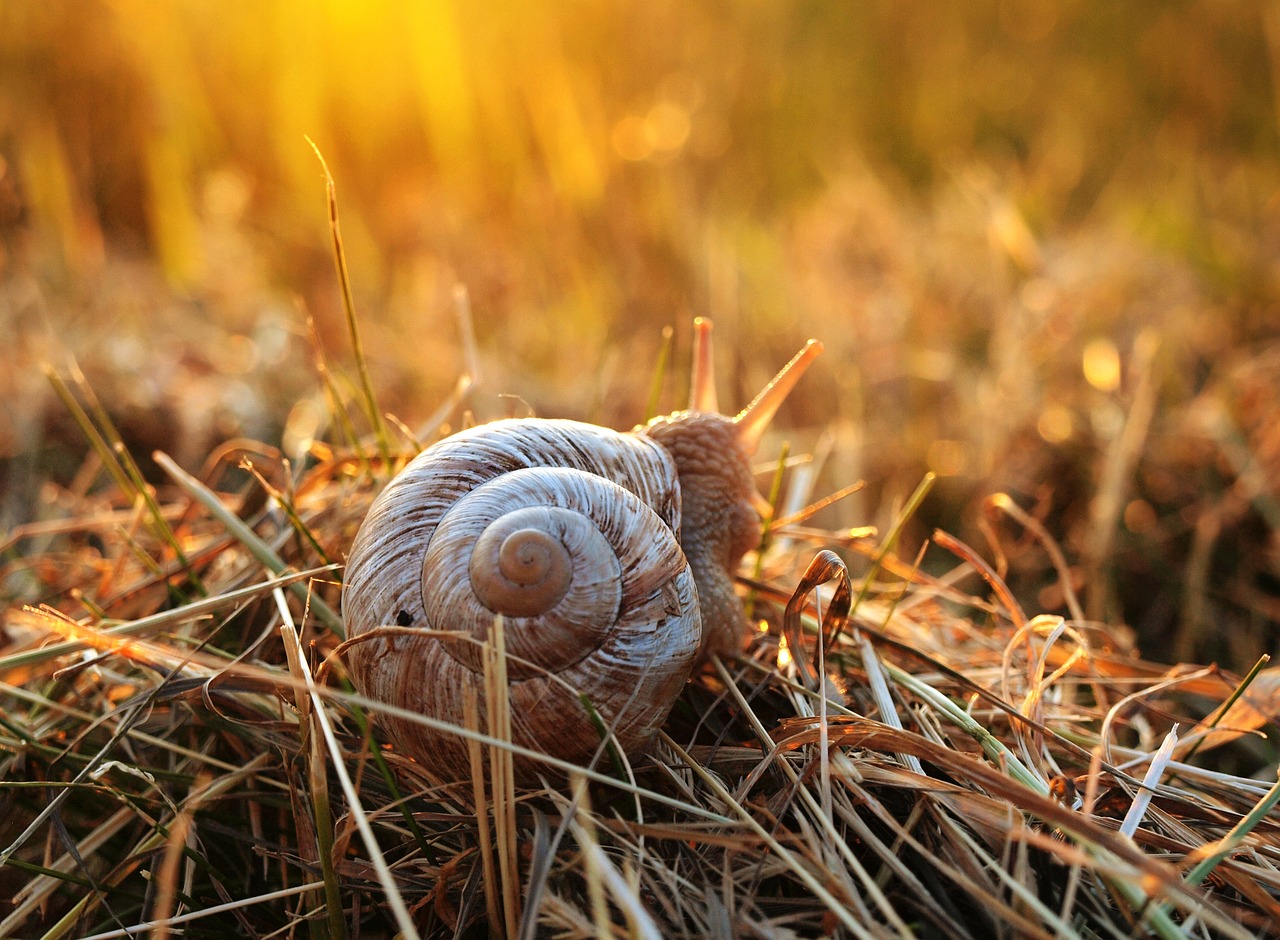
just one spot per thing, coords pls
(712, 454)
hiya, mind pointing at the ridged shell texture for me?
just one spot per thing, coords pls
(570, 531)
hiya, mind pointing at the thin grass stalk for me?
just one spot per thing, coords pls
(1061, 928)
(159, 524)
(395, 900)
(824, 729)
(52, 808)
(822, 813)
(336, 405)
(291, 513)
(1121, 455)
(1233, 839)
(1221, 711)
(430, 428)
(817, 506)
(144, 849)
(583, 827)
(950, 543)
(659, 374)
(884, 698)
(554, 763)
(502, 771)
(167, 873)
(95, 438)
(607, 740)
(603, 874)
(471, 720)
(1004, 502)
(139, 487)
(212, 911)
(876, 678)
(317, 776)
(250, 539)
(349, 306)
(36, 892)
(993, 747)
(890, 541)
(389, 780)
(106, 442)
(466, 334)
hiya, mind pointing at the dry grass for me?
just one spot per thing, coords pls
(895, 753)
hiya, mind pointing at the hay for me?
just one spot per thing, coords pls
(893, 753)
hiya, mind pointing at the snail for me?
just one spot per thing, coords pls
(609, 555)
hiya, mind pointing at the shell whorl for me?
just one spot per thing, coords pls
(483, 523)
(594, 541)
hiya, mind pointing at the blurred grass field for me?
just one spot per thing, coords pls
(1041, 241)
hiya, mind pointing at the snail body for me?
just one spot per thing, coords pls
(609, 556)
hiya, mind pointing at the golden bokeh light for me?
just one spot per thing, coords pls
(1055, 424)
(1101, 364)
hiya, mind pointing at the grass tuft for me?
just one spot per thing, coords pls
(900, 751)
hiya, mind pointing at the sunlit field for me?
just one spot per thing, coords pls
(1039, 240)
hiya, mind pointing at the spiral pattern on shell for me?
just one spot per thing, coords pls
(567, 530)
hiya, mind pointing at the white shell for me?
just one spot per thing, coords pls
(623, 630)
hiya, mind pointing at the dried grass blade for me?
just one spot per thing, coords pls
(833, 844)
(96, 440)
(207, 912)
(994, 748)
(336, 403)
(502, 771)
(109, 446)
(166, 878)
(1232, 840)
(604, 874)
(467, 336)
(185, 613)
(1242, 713)
(958, 548)
(883, 698)
(659, 374)
(318, 781)
(593, 861)
(564, 767)
(395, 900)
(349, 307)
(36, 891)
(890, 541)
(471, 719)
(1138, 808)
(1005, 503)
(839, 909)
(250, 539)
(285, 502)
(1121, 455)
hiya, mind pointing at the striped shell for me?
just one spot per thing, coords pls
(568, 530)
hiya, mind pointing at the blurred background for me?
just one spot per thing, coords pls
(1040, 239)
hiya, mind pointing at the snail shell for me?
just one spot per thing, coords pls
(609, 556)
(570, 532)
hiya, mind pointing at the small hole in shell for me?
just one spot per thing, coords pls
(404, 618)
